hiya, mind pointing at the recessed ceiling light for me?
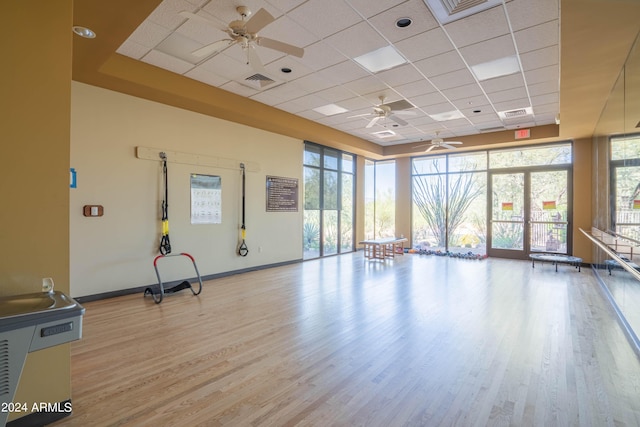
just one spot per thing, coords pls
(381, 59)
(330, 109)
(496, 68)
(84, 32)
(285, 70)
(477, 111)
(448, 115)
(403, 22)
(384, 134)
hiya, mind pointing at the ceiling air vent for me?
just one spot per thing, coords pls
(447, 11)
(384, 134)
(515, 114)
(491, 129)
(259, 81)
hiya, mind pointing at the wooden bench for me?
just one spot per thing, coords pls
(383, 248)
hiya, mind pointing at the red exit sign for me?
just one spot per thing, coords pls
(523, 133)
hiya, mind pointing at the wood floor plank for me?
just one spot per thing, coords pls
(414, 341)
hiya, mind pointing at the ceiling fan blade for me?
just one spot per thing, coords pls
(254, 60)
(398, 120)
(430, 148)
(281, 46)
(213, 48)
(258, 21)
(373, 122)
(215, 24)
(451, 147)
(454, 142)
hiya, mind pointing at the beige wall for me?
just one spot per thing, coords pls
(116, 251)
(582, 195)
(34, 178)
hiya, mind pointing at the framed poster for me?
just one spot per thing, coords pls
(206, 199)
(282, 194)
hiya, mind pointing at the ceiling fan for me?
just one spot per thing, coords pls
(438, 142)
(245, 33)
(391, 110)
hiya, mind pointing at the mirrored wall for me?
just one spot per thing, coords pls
(616, 199)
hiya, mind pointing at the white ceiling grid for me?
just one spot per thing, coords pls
(437, 77)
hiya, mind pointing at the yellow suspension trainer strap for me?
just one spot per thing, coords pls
(165, 245)
(242, 249)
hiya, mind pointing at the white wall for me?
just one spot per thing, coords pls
(116, 251)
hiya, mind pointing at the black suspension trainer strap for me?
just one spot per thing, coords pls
(165, 245)
(243, 250)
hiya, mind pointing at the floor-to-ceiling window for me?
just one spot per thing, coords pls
(625, 186)
(380, 199)
(449, 202)
(329, 189)
(506, 202)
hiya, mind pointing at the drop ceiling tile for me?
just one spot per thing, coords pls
(313, 83)
(201, 32)
(356, 40)
(468, 105)
(133, 50)
(434, 98)
(545, 99)
(463, 92)
(285, 5)
(385, 23)
(485, 25)
(226, 67)
(543, 88)
(366, 85)
(508, 95)
(294, 107)
(540, 58)
(198, 3)
(416, 88)
(489, 50)
(323, 18)
(166, 14)
(441, 64)
(238, 89)
(425, 45)
(400, 75)
(491, 118)
(502, 83)
(321, 55)
(343, 72)
(513, 104)
(298, 69)
(180, 47)
(539, 75)
(286, 30)
(279, 94)
(225, 10)
(335, 94)
(538, 37)
(368, 8)
(453, 79)
(525, 13)
(444, 107)
(358, 105)
(311, 101)
(206, 76)
(162, 60)
(149, 34)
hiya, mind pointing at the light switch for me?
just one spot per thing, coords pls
(92, 210)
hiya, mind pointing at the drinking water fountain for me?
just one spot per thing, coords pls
(32, 322)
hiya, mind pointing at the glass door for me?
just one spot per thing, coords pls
(507, 231)
(549, 212)
(529, 212)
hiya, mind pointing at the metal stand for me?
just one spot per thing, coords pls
(158, 296)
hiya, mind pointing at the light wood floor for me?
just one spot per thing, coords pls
(420, 340)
